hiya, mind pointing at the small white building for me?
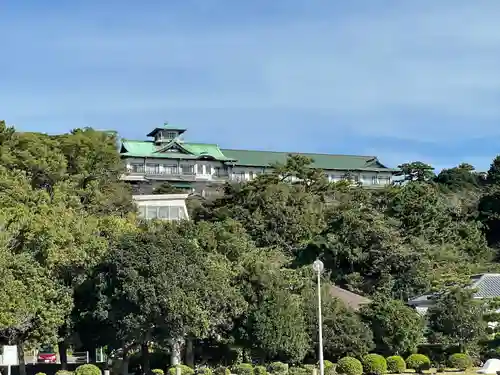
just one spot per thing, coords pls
(162, 206)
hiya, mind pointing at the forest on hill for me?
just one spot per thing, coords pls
(235, 283)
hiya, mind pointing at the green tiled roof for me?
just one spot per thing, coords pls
(148, 149)
(321, 161)
(247, 158)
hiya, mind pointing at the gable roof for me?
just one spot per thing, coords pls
(148, 149)
(353, 300)
(487, 285)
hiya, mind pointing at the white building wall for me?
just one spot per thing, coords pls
(207, 171)
(167, 206)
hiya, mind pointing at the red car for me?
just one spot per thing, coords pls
(46, 354)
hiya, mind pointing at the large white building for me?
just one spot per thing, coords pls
(166, 157)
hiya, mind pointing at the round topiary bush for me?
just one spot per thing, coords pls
(460, 361)
(64, 372)
(158, 371)
(396, 364)
(418, 362)
(40, 373)
(374, 364)
(185, 370)
(278, 368)
(349, 366)
(88, 369)
(221, 370)
(260, 370)
(243, 369)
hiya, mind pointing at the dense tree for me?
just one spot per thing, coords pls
(237, 278)
(416, 171)
(457, 318)
(145, 298)
(397, 329)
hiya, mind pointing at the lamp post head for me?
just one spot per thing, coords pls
(318, 266)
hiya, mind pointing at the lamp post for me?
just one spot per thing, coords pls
(318, 266)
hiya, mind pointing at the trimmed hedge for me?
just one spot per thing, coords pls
(374, 364)
(243, 369)
(40, 373)
(64, 372)
(396, 364)
(310, 369)
(418, 362)
(460, 361)
(88, 369)
(185, 370)
(260, 370)
(221, 370)
(278, 368)
(349, 366)
(297, 371)
(204, 371)
(158, 371)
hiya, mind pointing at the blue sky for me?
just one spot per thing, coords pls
(403, 80)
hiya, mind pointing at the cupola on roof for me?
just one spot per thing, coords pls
(166, 128)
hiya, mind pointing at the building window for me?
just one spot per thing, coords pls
(187, 169)
(137, 167)
(171, 169)
(375, 180)
(250, 175)
(170, 135)
(152, 212)
(153, 168)
(162, 212)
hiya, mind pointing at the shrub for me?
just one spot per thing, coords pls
(329, 367)
(260, 370)
(310, 369)
(88, 369)
(460, 361)
(40, 373)
(374, 364)
(206, 371)
(349, 366)
(185, 370)
(158, 371)
(63, 372)
(418, 362)
(396, 364)
(278, 368)
(243, 369)
(297, 371)
(221, 370)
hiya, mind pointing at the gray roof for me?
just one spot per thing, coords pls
(353, 300)
(487, 285)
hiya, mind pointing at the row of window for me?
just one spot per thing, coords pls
(188, 169)
(162, 212)
(151, 168)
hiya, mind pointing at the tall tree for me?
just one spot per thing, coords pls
(457, 318)
(397, 329)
